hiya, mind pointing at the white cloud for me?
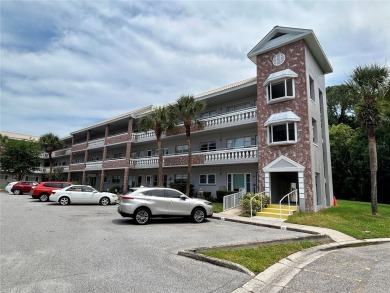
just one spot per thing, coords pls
(71, 64)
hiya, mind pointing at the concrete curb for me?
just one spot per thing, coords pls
(277, 276)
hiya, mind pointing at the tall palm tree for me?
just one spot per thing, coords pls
(160, 120)
(370, 86)
(50, 143)
(187, 109)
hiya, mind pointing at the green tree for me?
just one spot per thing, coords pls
(340, 105)
(349, 155)
(50, 143)
(187, 109)
(370, 86)
(160, 120)
(3, 140)
(20, 157)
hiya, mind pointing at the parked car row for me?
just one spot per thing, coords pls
(141, 204)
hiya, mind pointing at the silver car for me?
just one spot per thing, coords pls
(145, 203)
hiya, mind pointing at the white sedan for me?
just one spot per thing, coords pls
(82, 194)
(9, 186)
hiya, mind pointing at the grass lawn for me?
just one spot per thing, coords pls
(350, 217)
(217, 207)
(259, 258)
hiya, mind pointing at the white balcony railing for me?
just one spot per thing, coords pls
(220, 121)
(144, 163)
(239, 117)
(97, 165)
(244, 155)
(96, 143)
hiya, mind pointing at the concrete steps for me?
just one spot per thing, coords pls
(273, 211)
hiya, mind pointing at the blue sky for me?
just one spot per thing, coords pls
(68, 64)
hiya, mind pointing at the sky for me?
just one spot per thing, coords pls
(65, 65)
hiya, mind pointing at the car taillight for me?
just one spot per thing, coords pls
(127, 197)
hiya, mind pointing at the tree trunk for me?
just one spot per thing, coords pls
(373, 169)
(160, 163)
(188, 186)
(51, 165)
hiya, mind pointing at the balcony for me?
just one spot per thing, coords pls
(245, 116)
(118, 138)
(244, 155)
(95, 165)
(229, 119)
(79, 147)
(143, 163)
(96, 143)
(220, 157)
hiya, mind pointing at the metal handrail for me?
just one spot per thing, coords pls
(261, 201)
(288, 199)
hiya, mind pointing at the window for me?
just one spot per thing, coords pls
(282, 133)
(164, 151)
(180, 178)
(239, 142)
(181, 149)
(237, 181)
(282, 128)
(207, 179)
(208, 146)
(311, 89)
(116, 179)
(156, 192)
(280, 86)
(238, 107)
(133, 155)
(172, 193)
(149, 153)
(117, 155)
(281, 89)
(208, 114)
(315, 133)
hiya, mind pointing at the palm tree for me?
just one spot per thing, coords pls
(50, 143)
(187, 109)
(160, 120)
(370, 87)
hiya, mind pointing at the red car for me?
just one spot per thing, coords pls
(43, 190)
(23, 187)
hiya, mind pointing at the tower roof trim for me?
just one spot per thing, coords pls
(280, 36)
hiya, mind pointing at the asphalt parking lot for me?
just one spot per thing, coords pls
(46, 247)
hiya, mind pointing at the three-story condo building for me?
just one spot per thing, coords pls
(267, 133)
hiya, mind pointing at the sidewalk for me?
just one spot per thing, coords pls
(346, 265)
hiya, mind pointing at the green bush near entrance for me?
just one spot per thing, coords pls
(257, 201)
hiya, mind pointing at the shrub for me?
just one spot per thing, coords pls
(222, 193)
(256, 202)
(114, 189)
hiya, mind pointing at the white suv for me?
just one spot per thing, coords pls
(145, 203)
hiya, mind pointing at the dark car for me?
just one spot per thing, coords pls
(43, 190)
(23, 187)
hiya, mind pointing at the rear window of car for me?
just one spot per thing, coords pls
(156, 192)
(65, 185)
(51, 184)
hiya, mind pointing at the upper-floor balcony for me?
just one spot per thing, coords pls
(96, 143)
(241, 117)
(217, 157)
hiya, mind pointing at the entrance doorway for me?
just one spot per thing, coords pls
(283, 183)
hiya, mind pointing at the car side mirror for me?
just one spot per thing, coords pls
(183, 197)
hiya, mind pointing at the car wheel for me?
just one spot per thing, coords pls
(17, 191)
(44, 197)
(142, 216)
(198, 215)
(104, 201)
(64, 201)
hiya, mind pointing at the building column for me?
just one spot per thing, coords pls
(301, 191)
(266, 184)
(101, 186)
(125, 181)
